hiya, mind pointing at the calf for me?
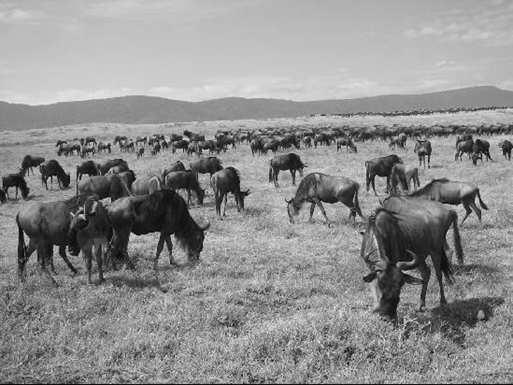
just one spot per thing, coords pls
(381, 166)
(225, 181)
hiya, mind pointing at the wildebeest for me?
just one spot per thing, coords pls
(399, 141)
(506, 146)
(347, 142)
(187, 180)
(181, 143)
(399, 237)
(104, 147)
(316, 188)
(87, 150)
(104, 186)
(462, 147)
(423, 149)
(69, 149)
(403, 176)
(89, 167)
(381, 166)
(256, 146)
(46, 224)
(53, 168)
(164, 212)
(225, 181)
(140, 152)
(146, 185)
(452, 192)
(206, 165)
(107, 165)
(482, 147)
(288, 161)
(156, 148)
(89, 232)
(177, 166)
(17, 181)
(29, 162)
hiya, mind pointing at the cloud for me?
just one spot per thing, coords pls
(488, 23)
(19, 16)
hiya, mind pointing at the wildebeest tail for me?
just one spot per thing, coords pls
(483, 205)
(356, 203)
(22, 250)
(367, 175)
(457, 238)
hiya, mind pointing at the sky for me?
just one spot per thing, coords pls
(64, 50)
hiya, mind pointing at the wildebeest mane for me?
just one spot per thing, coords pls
(427, 187)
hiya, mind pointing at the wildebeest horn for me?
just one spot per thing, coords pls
(287, 201)
(409, 265)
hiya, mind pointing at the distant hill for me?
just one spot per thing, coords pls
(147, 109)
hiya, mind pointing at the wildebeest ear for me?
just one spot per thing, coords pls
(370, 277)
(412, 280)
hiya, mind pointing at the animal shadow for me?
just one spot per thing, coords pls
(452, 318)
(474, 268)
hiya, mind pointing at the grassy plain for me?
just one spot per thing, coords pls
(269, 301)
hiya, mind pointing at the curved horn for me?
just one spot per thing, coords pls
(288, 200)
(411, 264)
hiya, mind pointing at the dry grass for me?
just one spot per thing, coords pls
(270, 301)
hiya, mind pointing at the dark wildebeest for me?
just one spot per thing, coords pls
(87, 150)
(60, 143)
(399, 141)
(147, 184)
(69, 149)
(46, 224)
(423, 149)
(163, 211)
(206, 166)
(89, 167)
(181, 143)
(90, 232)
(29, 162)
(256, 146)
(88, 139)
(104, 186)
(453, 193)
(140, 152)
(288, 161)
(463, 138)
(53, 168)
(105, 167)
(119, 139)
(187, 180)
(399, 237)
(506, 146)
(317, 187)
(3, 197)
(401, 175)
(347, 142)
(156, 148)
(381, 166)
(104, 147)
(462, 147)
(225, 181)
(177, 166)
(482, 147)
(15, 180)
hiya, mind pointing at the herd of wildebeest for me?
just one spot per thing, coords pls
(410, 224)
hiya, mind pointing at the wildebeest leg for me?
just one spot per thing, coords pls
(169, 245)
(43, 252)
(293, 174)
(373, 177)
(438, 272)
(429, 161)
(312, 208)
(188, 197)
(468, 211)
(425, 273)
(321, 207)
(62, 252)
(275, 176)
(99, 261)
(473, 205)
(160, 246)
(225, 201)
(88, 255)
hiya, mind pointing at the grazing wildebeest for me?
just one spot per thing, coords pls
(463, 138)
(399, 237)
(87, 150)
(15, 180)
(482, 147)
(61, 142)
(146, 185)
(322, 138)
(177, 166)
(401, 175)
(46, 224)
(506, 146)
(317, 187)
(346, 142)
(399, 141)
(89, 232)
(462, 147)
(104, 147)
(140, 152)
(89, 167)
(88, 139)
(181, 143)
(452, 192)
(53, 168)
(381, 166)
(105, 167)
(163, 211)
(288, 161)
(141, 139)
(104, 186)
(225, 181)
(187, 180)
(206, 166)
(119, 139)
(29, 162)
(127, 176)
(423, 149)
(69, 149)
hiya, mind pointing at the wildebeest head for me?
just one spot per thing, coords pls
(80, 220)
(387, 278)
(292, 209)
(239, 198)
